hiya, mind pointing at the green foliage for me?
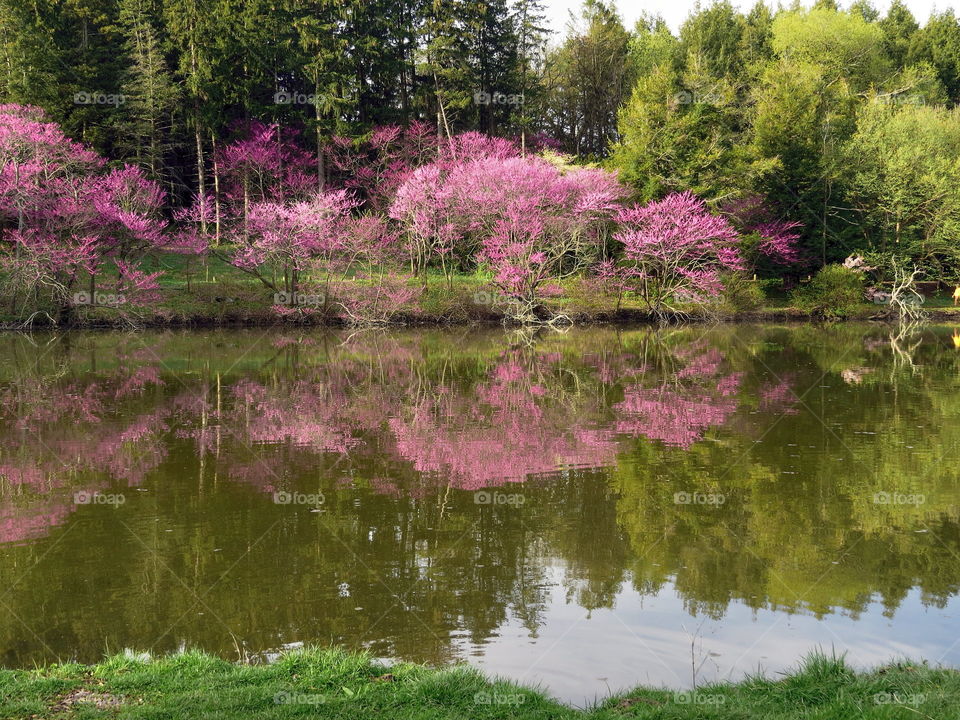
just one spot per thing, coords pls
(904, 174)
(586, 79)
(841, 43)
(834, 292)
(785, 105)
(677, 135)
(898, 27)
(742, 294)
(652, 45)
(938, 42)
(54, 51)
(146, 117)
(712, 38)
(800, 116)
(755, 41)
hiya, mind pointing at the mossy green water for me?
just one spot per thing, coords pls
(333, 684)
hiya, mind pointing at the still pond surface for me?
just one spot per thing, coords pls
(587, 510)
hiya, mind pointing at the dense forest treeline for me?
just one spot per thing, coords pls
(838, 124)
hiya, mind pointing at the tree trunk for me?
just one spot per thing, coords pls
(216, 190)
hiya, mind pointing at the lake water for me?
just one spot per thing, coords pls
(585, 510)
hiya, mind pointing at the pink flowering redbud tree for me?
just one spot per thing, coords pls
(428, 202)
(528, 222)
(317, 255)
(423, 206)
(287, 239)
(765, 239)
(537, 224)
(264, 164)
(63, 216)
(675, 251)
(374, 166)
(364, 278)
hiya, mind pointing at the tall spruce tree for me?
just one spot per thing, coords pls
(899, 26)
(490, 47)
(445, 92)
(151, 96)
(938, 43)
(530, 30)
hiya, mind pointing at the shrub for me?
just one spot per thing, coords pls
(834, 292)
(741, 294)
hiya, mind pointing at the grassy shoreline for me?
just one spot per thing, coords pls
(220, 296)
(252, 308)
(335, 684)
(215, 318)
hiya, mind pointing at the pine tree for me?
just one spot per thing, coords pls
(530, 30)
(381, 35)
(755, 41)
(490, 46)
(67, 59)
(322, 69)
(189, 28)
(149, 90)
(865, 9)
(444, 92)
(899, 27)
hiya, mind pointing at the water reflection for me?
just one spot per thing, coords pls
(647, 483)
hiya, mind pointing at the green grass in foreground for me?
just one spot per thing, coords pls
(334, 684)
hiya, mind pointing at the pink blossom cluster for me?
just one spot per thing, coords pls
(676, 249)
(776, 239)
(521, 216)
(67, 214)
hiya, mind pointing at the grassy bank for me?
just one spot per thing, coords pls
(332, 684)
(213, 293)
